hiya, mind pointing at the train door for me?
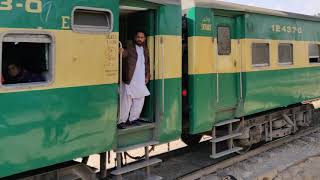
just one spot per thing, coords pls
(226, 67)
(134, 19)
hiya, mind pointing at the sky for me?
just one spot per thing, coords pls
(310, 7)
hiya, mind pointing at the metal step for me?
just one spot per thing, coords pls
(133, 129)
(146, 120)
(223, 138)
(227, 122)
(224, 153)
(136, 146)
(154, 177)
(136, 166)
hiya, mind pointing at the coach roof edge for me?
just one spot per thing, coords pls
(175, 2)
(250, 9)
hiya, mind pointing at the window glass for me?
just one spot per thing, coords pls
(260, 54)
(285, 53)
(314, 53)
(224, 41)
(26, 58)
(87, 20)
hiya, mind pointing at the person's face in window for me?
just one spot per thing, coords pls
(140, 38)
(13, 70)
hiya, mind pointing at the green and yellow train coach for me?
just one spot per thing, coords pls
(250, 72)
(71, 111)
(240, 74)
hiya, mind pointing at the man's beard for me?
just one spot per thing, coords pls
(139, 43)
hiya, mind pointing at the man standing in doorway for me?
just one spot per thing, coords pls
(135, 76)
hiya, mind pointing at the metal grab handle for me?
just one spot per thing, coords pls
(215, 44)
(120, 60)
(163, 74)
(241, 71)
(120, 79)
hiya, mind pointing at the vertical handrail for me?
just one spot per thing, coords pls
(120, 79)
(163, 74)
(215, 49)
(241, 71)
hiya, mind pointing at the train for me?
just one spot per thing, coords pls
(241, 74)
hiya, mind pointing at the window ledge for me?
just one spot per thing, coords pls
(22, 86)
(286, 64)
(260, 65)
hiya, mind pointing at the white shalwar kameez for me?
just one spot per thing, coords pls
(132, 96)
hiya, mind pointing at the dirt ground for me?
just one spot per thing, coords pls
(160, 149)
(298, 160)
(305, 170)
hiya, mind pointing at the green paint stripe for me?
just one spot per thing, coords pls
(260, 93)
(139, 3)
(67, 123)
(42, 128)
(289, 29)
(286, 87)
(169, 20)
(171, 124)
(50, 17)
(168, 17)
(202, 101)
(198, 16)
(248, 25)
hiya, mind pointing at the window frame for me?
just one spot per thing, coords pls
(224, 26)
(51, 60)
(286, 63)
(313, 63)
(265, 65)
(91, 29)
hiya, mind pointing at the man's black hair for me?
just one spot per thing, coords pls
(15, 62)
(140, 31)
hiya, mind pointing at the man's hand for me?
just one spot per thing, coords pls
(121, 50)
(147, 81)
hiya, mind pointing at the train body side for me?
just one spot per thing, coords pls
(223, 87)
(74, 115)
(280, 85)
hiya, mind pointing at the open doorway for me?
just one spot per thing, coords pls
(131, 20)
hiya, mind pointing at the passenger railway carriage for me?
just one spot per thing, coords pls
(251, 73)
(240, 74)
(72, 113)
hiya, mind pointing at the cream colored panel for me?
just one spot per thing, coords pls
(168, 60)
(80, 60)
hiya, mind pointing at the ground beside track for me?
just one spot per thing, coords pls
(292, 161)
(298, 160)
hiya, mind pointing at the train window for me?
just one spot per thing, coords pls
(314, 53)
(26, 59)
(224, 41)
(260, 54)
(92, 20)
(285, 53)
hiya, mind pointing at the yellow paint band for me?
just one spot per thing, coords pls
(204, 59)
(92, 59)
(168, 57)
(80, 59)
